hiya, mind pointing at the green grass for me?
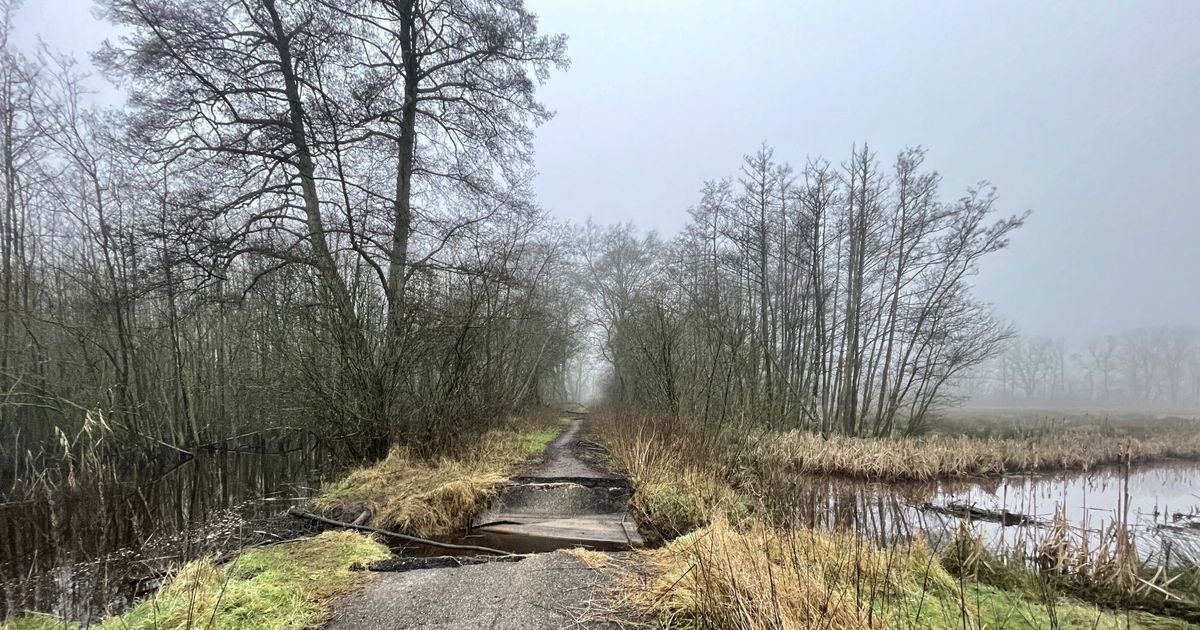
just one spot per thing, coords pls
(36, 622)
(979, 606)
(289, 585)
(536, 441)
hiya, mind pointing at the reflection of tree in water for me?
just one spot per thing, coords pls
(101, 540)
(890, 514)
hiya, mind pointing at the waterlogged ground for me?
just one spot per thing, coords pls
(97, 548)
(1160, 500)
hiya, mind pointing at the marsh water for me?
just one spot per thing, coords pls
(1158, 504)
(81, 552)
(98, 542)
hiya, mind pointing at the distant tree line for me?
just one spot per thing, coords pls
(834, 297)
(312, 213)
(1149, 367)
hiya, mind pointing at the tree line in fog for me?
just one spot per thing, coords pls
(318, 215)
(1149, 367)
(834, 297)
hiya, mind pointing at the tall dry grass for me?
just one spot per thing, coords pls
(1082, 448)
(675, 468)
(729, 567)
(436, 496)
(753, 576)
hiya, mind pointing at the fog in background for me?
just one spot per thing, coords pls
(1088, 114)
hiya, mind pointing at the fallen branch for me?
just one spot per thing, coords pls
(298, 513)
(972, 513)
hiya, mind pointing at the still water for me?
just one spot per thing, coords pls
(1156, 503)
(96, 544)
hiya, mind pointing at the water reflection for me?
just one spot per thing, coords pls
(95, 545)
(888, 514)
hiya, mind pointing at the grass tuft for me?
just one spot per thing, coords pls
(676, 485)
(756, 576)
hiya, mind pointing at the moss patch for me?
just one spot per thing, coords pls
(37, 622)
(978, 605)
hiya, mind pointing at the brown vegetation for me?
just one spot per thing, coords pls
(1082, 447)
(737, 570)
(672, 466)
(438, 495)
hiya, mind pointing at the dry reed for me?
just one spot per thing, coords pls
(754, 577)
(1079, 448)
(676, 471)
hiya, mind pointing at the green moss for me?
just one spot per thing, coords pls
(289, 585)
(669, 508)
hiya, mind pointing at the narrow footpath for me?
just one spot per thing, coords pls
(562, 503)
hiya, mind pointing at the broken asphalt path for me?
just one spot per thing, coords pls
(563, 502)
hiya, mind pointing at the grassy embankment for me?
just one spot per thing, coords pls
(738, 564)
(436, 496)
(288, 585)
(292, 585)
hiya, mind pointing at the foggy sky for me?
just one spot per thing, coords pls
(1087, 113)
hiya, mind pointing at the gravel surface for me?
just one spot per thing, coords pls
(547, 591)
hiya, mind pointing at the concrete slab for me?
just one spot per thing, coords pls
(600, 529)
(564, 500)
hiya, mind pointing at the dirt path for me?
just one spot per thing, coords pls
(563, 457)
(563, 502)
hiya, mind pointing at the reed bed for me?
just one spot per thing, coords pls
(755, 577)
(1072, 448)
(435, 496)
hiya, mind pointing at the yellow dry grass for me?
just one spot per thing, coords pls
(675, 472)
(754, 577)
(433, 497)
(936, 457)
(737, 571)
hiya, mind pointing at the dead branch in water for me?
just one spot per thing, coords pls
(298, 513)
(972, 513)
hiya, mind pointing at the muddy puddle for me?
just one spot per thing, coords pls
(1158, 503)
